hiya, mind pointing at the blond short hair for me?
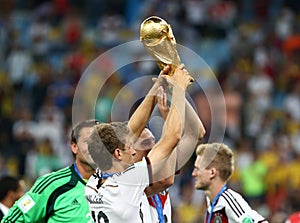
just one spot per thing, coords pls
(219, 156)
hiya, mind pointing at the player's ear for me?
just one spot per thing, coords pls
(213, 172)
(118, 154)
(74, 147)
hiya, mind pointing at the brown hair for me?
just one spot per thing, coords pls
(105, 138)
(219, 156)
(80, 125)
(76, 130)
(8, 183)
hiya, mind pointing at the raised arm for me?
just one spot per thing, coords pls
(167, 178)
(173, 127)
(140, 117)
(194, 131)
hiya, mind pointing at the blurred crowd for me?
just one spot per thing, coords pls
(252, 46)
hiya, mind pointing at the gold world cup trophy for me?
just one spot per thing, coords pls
(157, 37)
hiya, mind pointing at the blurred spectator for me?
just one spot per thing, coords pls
(60, 8)
(39, 90)
(264, 60)
(11, 189)
(72, 26)
(293, 171)
(74, 62)
(61, 92)
(6, 132)
(294, 218)
(19, 62)
(291, 44)
(245, 156)
(93, 10)
(253, 181)
(109, 27)
(3, 170)
(260, 89)
(41, 161)
(284, 23)
(196, 12)
(50, 122)
(24, 132)
(267, 131)
(233, 103)
(223, 13)
(38, 33)
(291, 103)
(187, 211)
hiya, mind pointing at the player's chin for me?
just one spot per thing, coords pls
(132, 161)
(198, 186)
(136, 159)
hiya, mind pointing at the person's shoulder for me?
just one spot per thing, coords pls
(144, 162)
(60, 172)
(135, 166)
(232, 197)
(239, 208)
(234, 193)
(52, 180)
(231, 193)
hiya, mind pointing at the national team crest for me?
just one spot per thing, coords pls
(217, 219)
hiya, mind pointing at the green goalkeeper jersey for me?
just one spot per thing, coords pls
(55, 197)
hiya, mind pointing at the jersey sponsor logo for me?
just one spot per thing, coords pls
(26, 204)
(75, 202)
(247, 220)
(95, 199)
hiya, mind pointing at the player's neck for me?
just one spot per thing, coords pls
(86, 171)
(214, 190)
(113, 169)
(117, 166)
(7, 202)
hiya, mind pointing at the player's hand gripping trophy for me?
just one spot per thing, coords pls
(157, 36)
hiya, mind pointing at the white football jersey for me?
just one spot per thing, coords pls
(232, 208)
(119, 198)
(146, 210)
(166, 205)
